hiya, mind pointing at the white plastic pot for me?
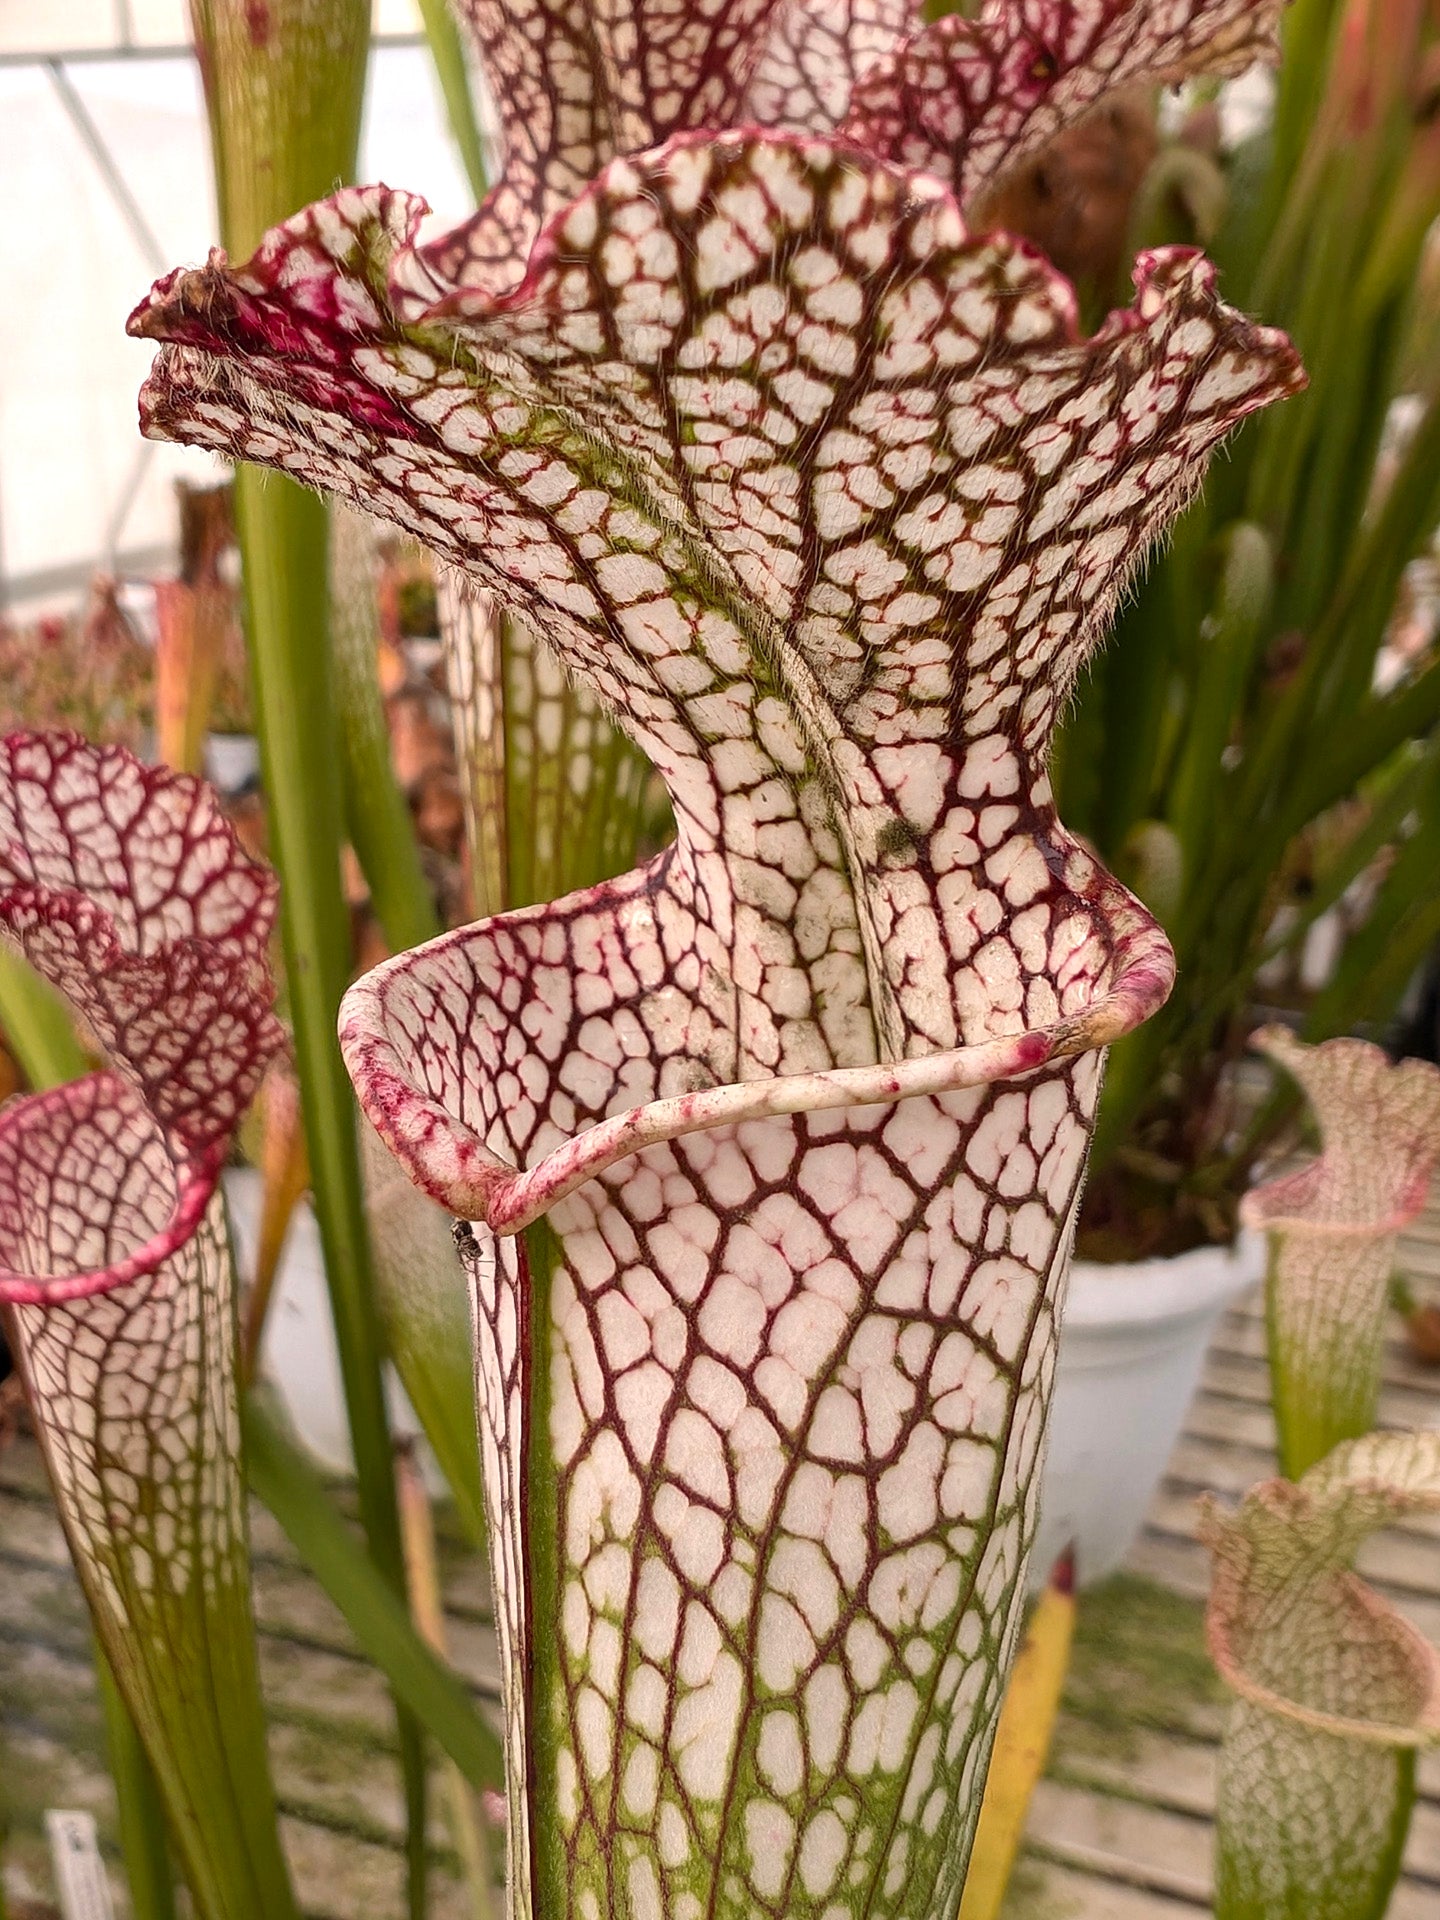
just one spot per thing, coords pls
(232, 761)
(1133, 1340)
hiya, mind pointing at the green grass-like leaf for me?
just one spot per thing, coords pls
(290, 1487)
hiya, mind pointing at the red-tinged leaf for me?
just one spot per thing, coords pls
(1335, 1689)
(1332, 1226)
(426, 1071)
(970, 99)
(125, 887)
(827, 502)
(85, 1180)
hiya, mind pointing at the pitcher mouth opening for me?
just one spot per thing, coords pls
(1288, 1206)
(1371, 1617)
(64, 1112)
(450, 1161)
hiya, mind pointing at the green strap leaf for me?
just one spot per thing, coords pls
(284, 100)
(284, 1479)
(381, 829)
(426, 1318)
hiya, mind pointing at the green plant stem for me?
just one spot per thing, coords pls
(144, 1842)
(285, 1481)
(1309, 35)
(1242, 602)
(448, 52)
(40, 1034)
(283, 541)
(1356, 614)
(381, 830)
(283, 537)
(37, 1025)
(284, 109)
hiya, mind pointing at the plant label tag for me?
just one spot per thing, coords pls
(80, 1879)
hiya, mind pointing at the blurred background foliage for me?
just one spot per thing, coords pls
(1255, 751)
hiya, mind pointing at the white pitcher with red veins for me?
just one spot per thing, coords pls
(772, 1148)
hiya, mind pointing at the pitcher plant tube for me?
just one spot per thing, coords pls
(1332, 1227)
(1335, 1691)
(126, 889)
(771, 1148)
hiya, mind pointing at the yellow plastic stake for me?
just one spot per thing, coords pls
(1022, 1741)
(427, 1609)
